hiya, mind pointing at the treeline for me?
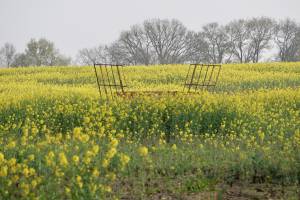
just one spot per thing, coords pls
(159, 41)
(169, 41)
(37, 53)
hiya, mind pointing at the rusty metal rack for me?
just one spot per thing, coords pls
(201, 76)
(111, 80)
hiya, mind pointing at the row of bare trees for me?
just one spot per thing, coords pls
(168, 41)
(159, 41)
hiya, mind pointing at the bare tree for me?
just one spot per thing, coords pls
(218, 42)
(196, 48)
(239, 37)
(167, 39)
(118, 54)
(137, 45)
(287, 39)
(92, 55)
(7, 54)
(261, 32)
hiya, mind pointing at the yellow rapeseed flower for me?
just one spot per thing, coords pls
(105, 163)
(77, 132)
(63, 161)
(111, 153)
(2, 158)
(111, 176)
(143, 151)
(31, 157)
(11, 144)
(107, 188)
(87, 160)
(51, 154)
(124, 159)
(95, 173)
(114, 142)
(68, 190)
(11, 162)
(26, 189)
(174, 147)
(32, 171)
(79, 181)
(86, 120)
(3, 171)
(95, 149)
(75, 159)
(33, 183)
(26, 172)
(85, 138)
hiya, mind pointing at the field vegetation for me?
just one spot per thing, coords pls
(58, 140)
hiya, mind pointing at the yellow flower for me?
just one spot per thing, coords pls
(78, 178)
(51, 154)
(3, 171)
(174, 147)
(93, 188)
(95, 149)
(87, 160)
(25, 188)
(161, 141)
(105, 163)
(49, 158)
(62, 159)
(261, 135)
(85, 138)
(23, 140)
(13, 168)
(75, 159)
(15, 178)
(31, 157)
(107, 188)
(68, 137)
(79, 181)
(11, 144)
(11, 162)
(86, 120)
(77, 133)
(59, 173)
(95, 173)
(34, 130)
(111, 176)
(68, 190)
(32, 171)
(89, 154)
(34, 183)
(2, 158)
(114, 142)
(111, 153)
(124, 159)
(9, 183)
(26, 172)
(143, 151)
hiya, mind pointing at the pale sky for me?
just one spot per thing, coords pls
(76, 24)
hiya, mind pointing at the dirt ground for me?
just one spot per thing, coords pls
(235, 192)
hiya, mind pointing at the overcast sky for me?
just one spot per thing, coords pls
(75, 24)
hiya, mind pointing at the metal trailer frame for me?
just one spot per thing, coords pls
(111, 80)
(201, 76)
